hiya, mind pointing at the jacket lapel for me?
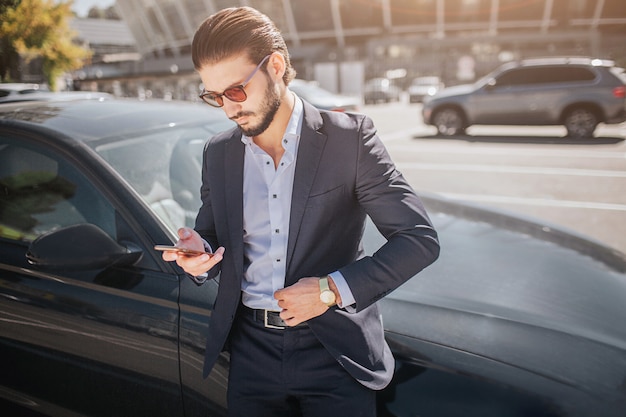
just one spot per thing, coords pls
(233, 180)
(310, 149)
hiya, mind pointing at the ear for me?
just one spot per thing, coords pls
(276, 66)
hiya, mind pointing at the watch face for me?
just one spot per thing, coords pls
(327, 297)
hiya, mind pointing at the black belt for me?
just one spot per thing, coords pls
(270, 319)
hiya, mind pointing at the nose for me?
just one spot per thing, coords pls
(231, 108)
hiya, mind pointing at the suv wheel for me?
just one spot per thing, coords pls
(449, 122)
(580, 123)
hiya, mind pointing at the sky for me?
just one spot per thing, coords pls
(81, 7)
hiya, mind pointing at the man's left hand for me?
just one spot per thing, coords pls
(301, 301)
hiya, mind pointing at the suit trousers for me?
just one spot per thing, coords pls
(288, 373)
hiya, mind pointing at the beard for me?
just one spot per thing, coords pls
(268, 111)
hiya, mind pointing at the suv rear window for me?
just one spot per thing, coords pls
(545, 75)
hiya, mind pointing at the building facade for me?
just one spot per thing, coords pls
(341, 43)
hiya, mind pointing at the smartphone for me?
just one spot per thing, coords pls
(181, 251)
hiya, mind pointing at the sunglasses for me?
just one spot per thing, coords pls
(236, 94)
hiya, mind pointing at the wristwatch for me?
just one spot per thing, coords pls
(326, 295)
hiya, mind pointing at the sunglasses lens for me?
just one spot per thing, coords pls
(212, 99)
(236, 94)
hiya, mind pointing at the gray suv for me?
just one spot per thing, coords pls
(578, 93)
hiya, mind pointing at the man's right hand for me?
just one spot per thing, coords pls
(193, 265)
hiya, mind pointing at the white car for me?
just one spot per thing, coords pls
(424, 87)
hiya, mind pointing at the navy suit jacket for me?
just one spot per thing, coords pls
(343, 173)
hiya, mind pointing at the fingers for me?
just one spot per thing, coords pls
(198, 265)
(186, 233)
(169, 256)
(300, 302)
(189, 238)
(194, 264)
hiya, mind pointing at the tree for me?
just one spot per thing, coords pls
(8, 54)
(39, 29)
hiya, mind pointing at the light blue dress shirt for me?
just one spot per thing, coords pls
(267, 194)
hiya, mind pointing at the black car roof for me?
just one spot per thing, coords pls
(96, 119)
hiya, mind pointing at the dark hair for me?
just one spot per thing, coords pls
(238, 30)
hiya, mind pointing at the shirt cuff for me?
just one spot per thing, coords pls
(207, 247)
(347, 298)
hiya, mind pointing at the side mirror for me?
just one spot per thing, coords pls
(79, 247)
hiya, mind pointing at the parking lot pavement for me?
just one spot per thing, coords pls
(579, 184)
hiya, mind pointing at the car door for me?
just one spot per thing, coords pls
(519, 96)
(80, 341)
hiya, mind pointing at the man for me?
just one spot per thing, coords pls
(285, 195)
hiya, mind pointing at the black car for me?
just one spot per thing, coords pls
(578, 93)
(516, 318)
(17, 92)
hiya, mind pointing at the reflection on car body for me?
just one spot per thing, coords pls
(18, 92)
(517, 318)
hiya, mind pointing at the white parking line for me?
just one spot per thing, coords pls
(535, 201)
(510, 169)
(473, 150)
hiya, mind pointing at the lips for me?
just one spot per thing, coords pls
(241, 115)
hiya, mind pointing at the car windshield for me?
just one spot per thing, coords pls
(164, 168)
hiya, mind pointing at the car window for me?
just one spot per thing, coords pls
(568, 74)
(41, 192)
(164, 168)
(544, 75)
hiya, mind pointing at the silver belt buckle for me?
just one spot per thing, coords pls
(270, 326)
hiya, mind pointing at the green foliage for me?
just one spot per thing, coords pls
(39, 29)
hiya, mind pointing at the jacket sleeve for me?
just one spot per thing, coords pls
(398, 214)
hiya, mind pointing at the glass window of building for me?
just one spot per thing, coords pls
(275, 10)
(197, 11)
(467, 11)
(174, 21)
(357, 14)
(614, 9)
(413, 12)
(564, 11)
(312, 16)
(521, 10)
(613, 18)
(155, 26)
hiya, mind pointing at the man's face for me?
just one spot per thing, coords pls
(256, 113)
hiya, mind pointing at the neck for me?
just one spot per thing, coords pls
(271, 140)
